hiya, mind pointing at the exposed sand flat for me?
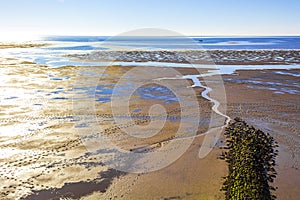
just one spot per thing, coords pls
(270, 101)
(264, 107)
(43, 154)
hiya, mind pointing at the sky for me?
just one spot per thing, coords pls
(25, 18)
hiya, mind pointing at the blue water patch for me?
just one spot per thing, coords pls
(295, 74)
(75, 38)
(104, 99)
(75, 48)
(89, 73)
(60, 78)
(174, 118)
(105, 89)
(85, 47)
(58, 91)
(9, 98)
(56, 78)
(88, 92)
(82, 125)
(103, 93)
(49, 74)
(41, 61)
(137, 110)
(157, 92)
(60, 98)
(278, 92)
(285, 42)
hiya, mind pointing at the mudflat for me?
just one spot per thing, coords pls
(45, 113)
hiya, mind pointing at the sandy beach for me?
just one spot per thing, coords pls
(44, 156)
(149, 100)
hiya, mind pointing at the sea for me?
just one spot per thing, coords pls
(173, 43)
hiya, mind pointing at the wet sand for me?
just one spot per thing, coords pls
(265, 108)
(43, 156)
(7, 45)
(271, 103)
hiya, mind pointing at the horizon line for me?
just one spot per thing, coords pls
(71, 35)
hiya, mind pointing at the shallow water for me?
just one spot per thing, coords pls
(54, 55)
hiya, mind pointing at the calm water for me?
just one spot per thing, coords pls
(93, 42)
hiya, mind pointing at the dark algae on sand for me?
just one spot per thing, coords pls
(251, 160)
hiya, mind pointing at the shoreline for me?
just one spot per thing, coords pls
(63, 56)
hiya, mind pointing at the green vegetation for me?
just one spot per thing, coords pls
(251, 160)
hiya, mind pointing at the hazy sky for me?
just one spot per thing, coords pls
(112, 17)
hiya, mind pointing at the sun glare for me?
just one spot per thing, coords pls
(18, 37)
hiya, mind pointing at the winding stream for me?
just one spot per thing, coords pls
(213, 134)
(204, 94)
